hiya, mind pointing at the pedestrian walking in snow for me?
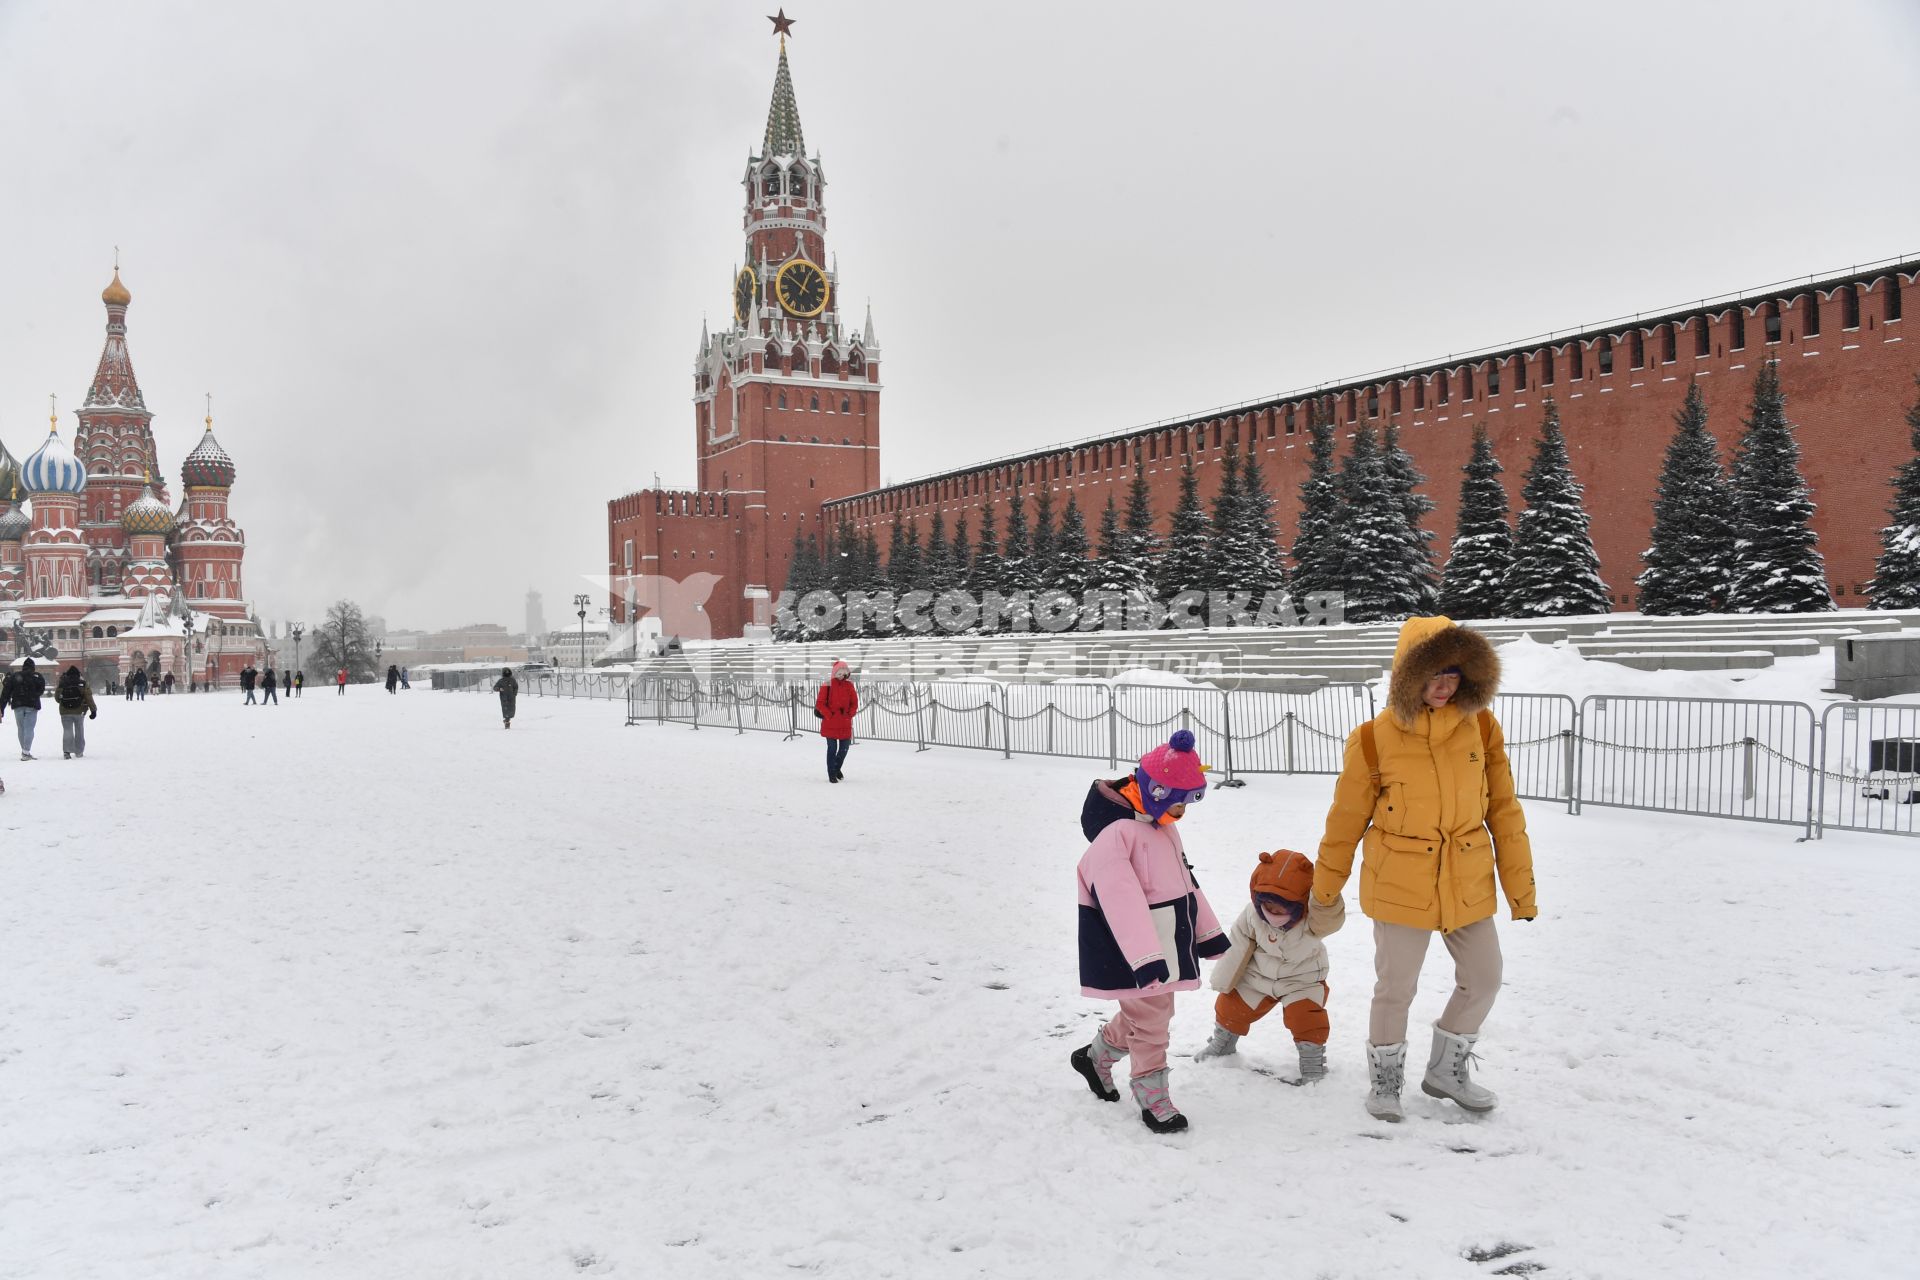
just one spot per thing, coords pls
(75, 701)
(126, 687)
(340, 682)
(247, 678)
(1275, 960)
(393, 679)
(1144, 923)
(286, 683)
(140, 685)
(1426, 786)
(834, 706)
(20, 693)
(166, 683)
(269, 687)
(403, 679)
(509, 690)
(299, 683)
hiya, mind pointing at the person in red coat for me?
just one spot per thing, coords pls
(834, 707)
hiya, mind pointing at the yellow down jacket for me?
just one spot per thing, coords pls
(1444, 818)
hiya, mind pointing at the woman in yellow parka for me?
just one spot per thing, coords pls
(1426, 792)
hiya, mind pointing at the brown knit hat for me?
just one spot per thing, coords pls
(1285, 874)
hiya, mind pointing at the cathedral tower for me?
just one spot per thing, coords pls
(115, 443)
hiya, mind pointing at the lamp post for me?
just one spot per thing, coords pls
(186, 624)
(296, 630)
(580, 603)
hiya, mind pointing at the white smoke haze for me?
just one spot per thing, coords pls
(443, 265)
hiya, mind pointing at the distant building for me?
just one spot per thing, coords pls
(564, 646)
(536, 618)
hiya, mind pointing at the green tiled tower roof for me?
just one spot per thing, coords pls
(783, 117)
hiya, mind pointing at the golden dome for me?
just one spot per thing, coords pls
(115, 294)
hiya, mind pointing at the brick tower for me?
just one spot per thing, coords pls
(786, 399)
(115, 442)
(208, 545)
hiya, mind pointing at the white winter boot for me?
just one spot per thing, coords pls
(1221, 1044)
(1447, 1072)
(1387, 1063)
(1313, 1061)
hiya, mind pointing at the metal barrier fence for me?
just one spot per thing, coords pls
(1855, 767)
(1749, 760)
(1870, 769)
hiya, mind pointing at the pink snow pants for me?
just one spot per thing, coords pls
(1140, 1029)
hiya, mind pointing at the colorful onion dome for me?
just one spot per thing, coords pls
(147, 514)
(115, 294)
(208, 466)
(52, 468)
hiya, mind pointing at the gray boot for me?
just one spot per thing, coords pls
(1387, 1064)
(1095, 1064)
(1313, 1061)
(1221, 1044)
(1447, 1072)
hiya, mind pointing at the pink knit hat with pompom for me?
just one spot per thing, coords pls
(1174, 770)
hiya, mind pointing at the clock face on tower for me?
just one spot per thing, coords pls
(745, 289)
(802, 288)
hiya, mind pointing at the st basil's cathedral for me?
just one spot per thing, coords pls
(98, 569)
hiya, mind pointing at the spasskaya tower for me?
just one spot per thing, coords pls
(786, 398)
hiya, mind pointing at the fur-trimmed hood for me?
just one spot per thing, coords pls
(1429, 646)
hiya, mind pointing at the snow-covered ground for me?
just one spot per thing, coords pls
(367, 987)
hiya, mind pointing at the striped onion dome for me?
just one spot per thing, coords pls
(52, 468)
(14, 523)
(147, 514)
(208, 466)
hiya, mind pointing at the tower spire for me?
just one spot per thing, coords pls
(783, 115)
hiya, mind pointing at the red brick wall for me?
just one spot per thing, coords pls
(1847, 391)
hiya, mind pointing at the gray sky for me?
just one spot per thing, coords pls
(443, 265)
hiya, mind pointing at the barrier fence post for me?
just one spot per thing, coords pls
(1226, 738)
(1286, 742)
(1113, 727)
(1006, 727)
(1746, 767)
(920, 712)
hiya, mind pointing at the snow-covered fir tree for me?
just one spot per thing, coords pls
(962, 554)
(1267, 572)
(1896, 574)
(938, 556)
(988, 572)
(1017, 548)
(1690, 554)
(1114, 573)
(1473, 584)
(803, 576)
(1071, 567)
(1371, 539)
(1555, 571)
(1404, 480)
(1777, 566)
(1183, 565)
(1316, 557)
(1040, 553)
(1230, 551)
(1143, 542)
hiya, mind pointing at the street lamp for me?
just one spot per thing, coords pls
(580, 603)
(296, 630)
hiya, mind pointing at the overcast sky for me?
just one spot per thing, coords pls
(443, 265)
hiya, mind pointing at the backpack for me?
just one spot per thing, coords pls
(1371, 749)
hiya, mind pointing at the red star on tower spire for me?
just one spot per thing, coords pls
(782, 24)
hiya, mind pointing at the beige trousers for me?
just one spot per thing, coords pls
(1399, 950)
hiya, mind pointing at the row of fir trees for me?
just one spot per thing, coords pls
(1732, 538)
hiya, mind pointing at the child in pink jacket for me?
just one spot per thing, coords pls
(1144, 924)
